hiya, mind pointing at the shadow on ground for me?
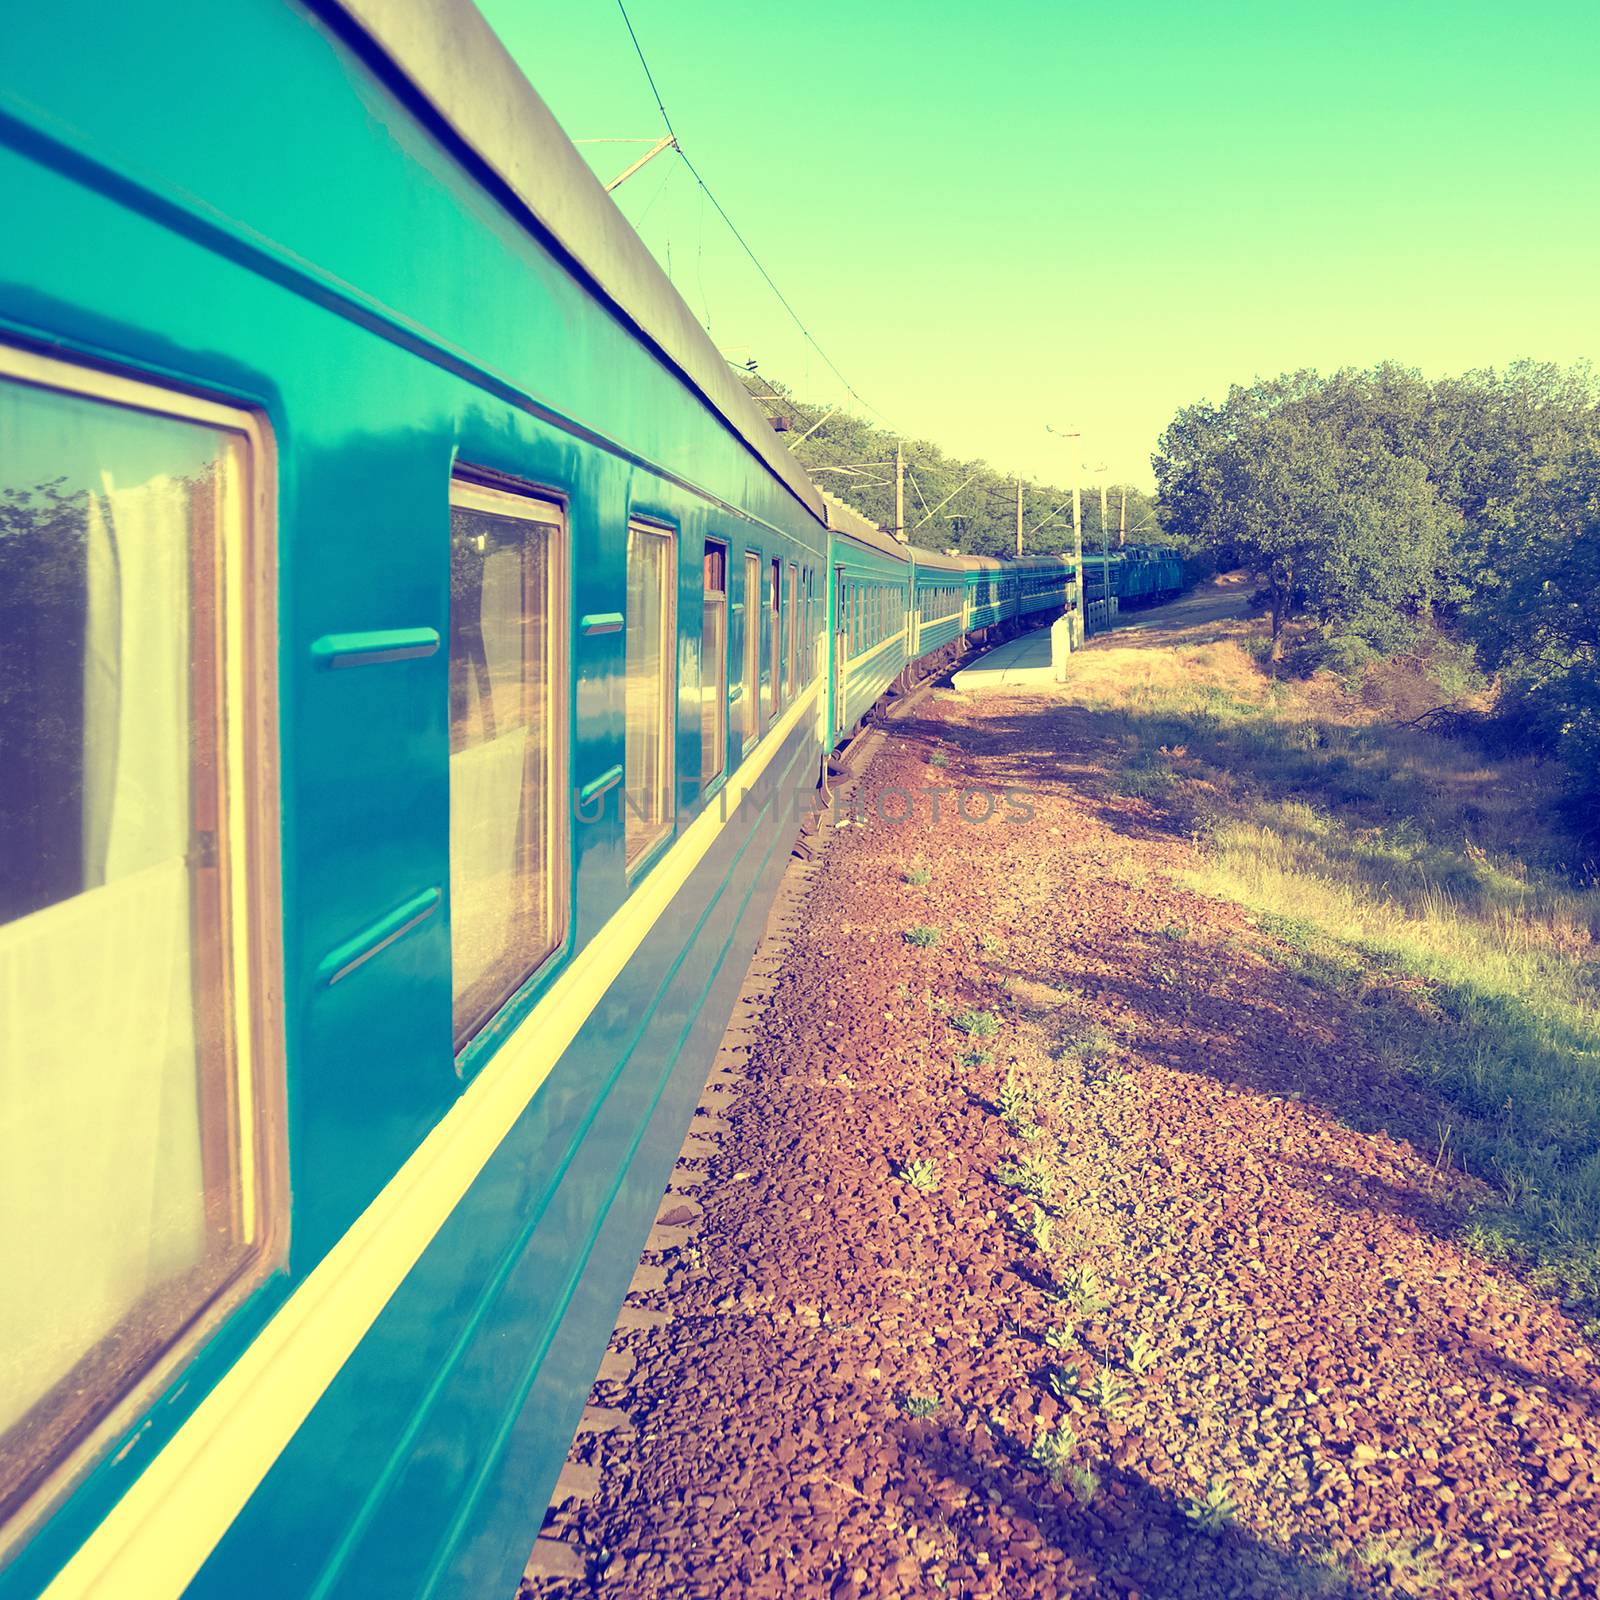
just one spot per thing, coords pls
(1450, 1064)
(1131, 1538)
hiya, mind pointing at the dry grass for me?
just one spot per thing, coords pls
(1424, 888)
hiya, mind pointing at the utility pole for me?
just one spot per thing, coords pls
(1105, 554)
(1081, 630)
(1122, 527)
(1019, 519)
(899, 491)
(1077, 556)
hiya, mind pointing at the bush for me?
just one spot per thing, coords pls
(1347, 654)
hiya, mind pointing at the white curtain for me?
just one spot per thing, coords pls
(486, 886)
(101, 1185)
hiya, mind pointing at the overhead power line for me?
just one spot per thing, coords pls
(694, 172)
(949, 497)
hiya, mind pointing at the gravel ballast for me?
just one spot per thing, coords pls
(1063, 1252)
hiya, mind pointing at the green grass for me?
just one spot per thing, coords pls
(1214, 1511)
(922, 936)
(976, 1024)
(1426, 897)
(1147, 776)
(1412, 1564)
(1479, 985)
(1084, 1482)
(1033, 1175)
(1090, 1048)
(1053, 1450)
(1015, 1101)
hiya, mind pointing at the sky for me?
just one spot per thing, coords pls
(1004, 216)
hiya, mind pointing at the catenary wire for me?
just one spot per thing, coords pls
(744, 244)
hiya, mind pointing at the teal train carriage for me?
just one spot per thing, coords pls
(871, 624)
(417, 652)
(1150, 575)
(411, 652)
(1044, 587)
(940, 600)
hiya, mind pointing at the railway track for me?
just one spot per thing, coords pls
(1245, 1327)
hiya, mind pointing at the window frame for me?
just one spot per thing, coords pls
(649, 850)
(791, 632)
(751, 646)
(499, 495)
(808, 643)
(774, 639)
(718, 700)
(240, 609)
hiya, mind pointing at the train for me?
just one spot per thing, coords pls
(411, 636)
(900, 612)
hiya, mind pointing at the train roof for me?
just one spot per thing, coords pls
(845, 519)
(453, 59)
(1020, 562)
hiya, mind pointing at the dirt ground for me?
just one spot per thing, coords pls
(1059, 1250)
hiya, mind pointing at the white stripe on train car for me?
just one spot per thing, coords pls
(159, 1534)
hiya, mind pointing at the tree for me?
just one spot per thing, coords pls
(968, 505)
(1378, 499)
(1283, 478)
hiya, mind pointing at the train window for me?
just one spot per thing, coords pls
(808, 649)
(714, 664)
(815, 605)
(750, 700)
(507, 838)
(651, 686)
(791, 626)
(816, 623)
(775, 639)
(140, 1057)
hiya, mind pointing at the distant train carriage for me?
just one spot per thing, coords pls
(941, 599)
(417, 649)
(986, 587)
(870, 622)
(1044, 585)
(1149, 574)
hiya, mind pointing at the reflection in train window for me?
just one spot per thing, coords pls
(750, 700)
(651, 690)
(507, 841)
(140, 1063)
(790, 662)
(714, 664)
(775, 638)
